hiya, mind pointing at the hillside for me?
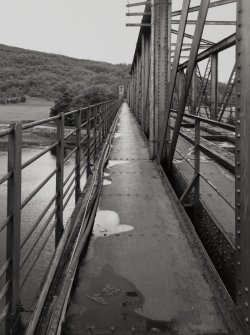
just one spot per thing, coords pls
(44, 75)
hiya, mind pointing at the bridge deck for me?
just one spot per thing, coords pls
(140, 270)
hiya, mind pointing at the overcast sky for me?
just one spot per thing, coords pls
(89, 29)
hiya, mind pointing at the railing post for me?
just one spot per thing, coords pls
(99, 127)
(106, 119)
(59, 179)
(95, 133)
(197, 169)
(78, 156)
(13, 228)
(88, 142)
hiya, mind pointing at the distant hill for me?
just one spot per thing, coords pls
(44, 75)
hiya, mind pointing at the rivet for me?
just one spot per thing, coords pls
(238, 163)
(238, 108)
(238, 135)
(246, 304)
(238, 190)
(238, 204)
(238, 263)
(238, 247)
(238, 218)
(239, 293)
(238, 122)
(238, 94)
(238, 176)
(246, 319)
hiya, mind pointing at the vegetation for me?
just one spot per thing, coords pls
(42, 75)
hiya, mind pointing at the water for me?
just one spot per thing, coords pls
(32, 176)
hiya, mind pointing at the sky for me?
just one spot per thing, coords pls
(89, 29)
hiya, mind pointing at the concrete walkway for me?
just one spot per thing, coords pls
(140, 273)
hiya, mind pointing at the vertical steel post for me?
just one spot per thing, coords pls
(147, 80)
(59, 179)
(242, 161)
(78, 156)
(99, 127)
(214, 86)
(95, 132)
(152, 149)
(88, 142)
(143, 82)
(140, 89)
(137, 86)
(193, 92)
(162, 64)
(13, 227)
(197, 169)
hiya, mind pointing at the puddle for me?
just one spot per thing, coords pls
(203, 158)
(110, 304)
(106, 182)
(226, 174)
(117, 162)
(107, 223)
(226, 145)
(117, 135)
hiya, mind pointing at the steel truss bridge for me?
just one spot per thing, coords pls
(159, 239)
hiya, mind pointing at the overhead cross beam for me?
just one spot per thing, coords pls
(211, 5)
(224, 44)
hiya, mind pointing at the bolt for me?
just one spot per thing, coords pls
(112, 330)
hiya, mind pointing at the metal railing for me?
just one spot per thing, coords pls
(192, 193)
(84, 141)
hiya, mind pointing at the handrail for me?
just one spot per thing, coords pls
(208, 121)
(86, 140)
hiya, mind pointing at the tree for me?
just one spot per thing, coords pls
(63, 105)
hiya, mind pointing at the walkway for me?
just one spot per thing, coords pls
(140, 273)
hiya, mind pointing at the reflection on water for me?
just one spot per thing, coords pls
(32, 176)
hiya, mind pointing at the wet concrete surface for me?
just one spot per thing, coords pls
(139, 273)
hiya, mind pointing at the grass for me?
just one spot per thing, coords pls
(33, 109)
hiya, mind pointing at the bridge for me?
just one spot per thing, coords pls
(143, 220)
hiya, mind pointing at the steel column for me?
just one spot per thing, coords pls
(13, 227)
(59, 179)
(152, 144)
(214, 86)
(147, 81)
(78, 157)
(242, 164)
(193, 92)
